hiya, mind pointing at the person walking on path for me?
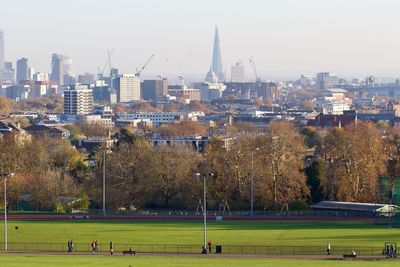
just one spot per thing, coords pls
(69, 246)
(328, 248)
(93, 246)
(96, 245)
(209, 246)
(111, 248)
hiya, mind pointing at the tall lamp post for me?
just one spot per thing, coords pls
(104, 182)
(205, 204)
(252, 182)
(5, 175)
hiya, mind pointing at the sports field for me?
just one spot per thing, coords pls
(191, 233)
(174, 261)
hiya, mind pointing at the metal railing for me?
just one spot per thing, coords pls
(184, 213)
(190, 249)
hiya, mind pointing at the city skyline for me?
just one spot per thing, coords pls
(288, 38)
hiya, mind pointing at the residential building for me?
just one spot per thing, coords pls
(92, 144)
(128, 88)
(13, 130)
(41, 131)
(79, 100)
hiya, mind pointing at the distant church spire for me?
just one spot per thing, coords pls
(216, 65)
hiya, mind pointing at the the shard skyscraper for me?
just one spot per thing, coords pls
(216, 65)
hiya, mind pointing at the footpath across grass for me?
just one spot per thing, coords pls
(13, 260)
(191, 233)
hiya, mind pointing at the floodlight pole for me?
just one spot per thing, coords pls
(252, 185)
(5, 214)
(252, 182)
(205, 209)
(5, 175)
(104, 182)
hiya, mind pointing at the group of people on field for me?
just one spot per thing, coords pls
(204, 249)
(94, 245)
(390, 251)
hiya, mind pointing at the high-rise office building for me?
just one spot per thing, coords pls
(87, 78)
(154, 89)
(57, 69)
(8, 73)
(128, 88)
(60, 65)
(22, 70)
(31, 72)
(216, 64)
(237, 72)
(78, 100)
(1, 54)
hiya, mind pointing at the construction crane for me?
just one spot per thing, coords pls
(109, 54)
(253, 65)
(257, 85)
(100, 74)
(139, 70)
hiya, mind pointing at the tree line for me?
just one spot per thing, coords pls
(289, 167)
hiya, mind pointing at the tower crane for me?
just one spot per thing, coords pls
(253, 65)
(109, 54)
(139, 70)
(107, 64)
(257, 84)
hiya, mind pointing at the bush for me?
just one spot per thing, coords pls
(298, 205)
(60, 207)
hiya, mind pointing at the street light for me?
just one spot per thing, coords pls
(252, 182)
(104, 182)
(5, 175)
(205, 204)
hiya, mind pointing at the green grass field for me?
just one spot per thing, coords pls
(174, 261)
(191, 233)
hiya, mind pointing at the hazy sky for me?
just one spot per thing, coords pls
(286, 37)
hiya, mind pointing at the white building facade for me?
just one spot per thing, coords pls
(78, 101)
(128, 88)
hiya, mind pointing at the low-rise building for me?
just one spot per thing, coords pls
(48, 131)
(156, 118)
(184, 94)
(13, 130)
